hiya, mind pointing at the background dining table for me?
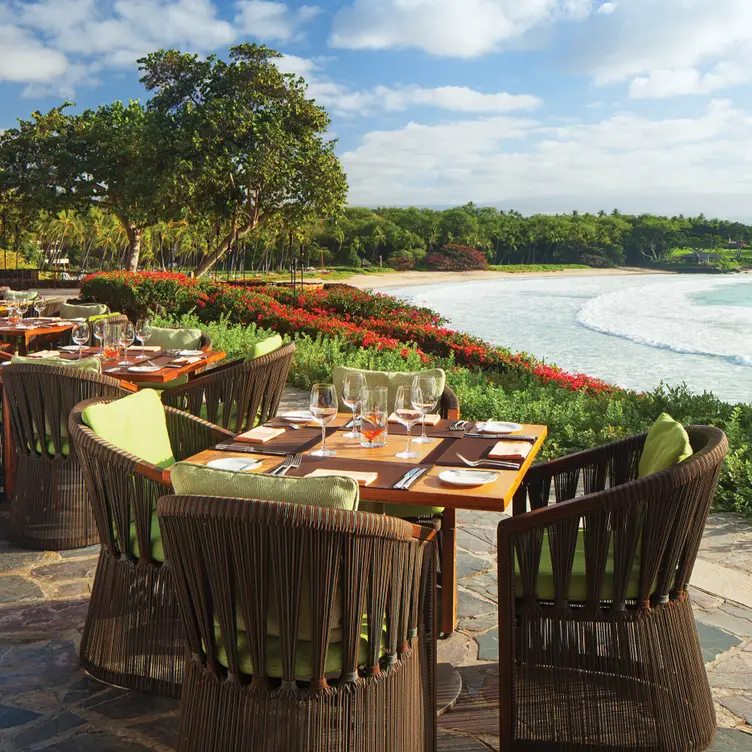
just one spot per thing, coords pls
(29, 334)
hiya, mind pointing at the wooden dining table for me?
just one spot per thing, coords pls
(428, 490)
(29, 334)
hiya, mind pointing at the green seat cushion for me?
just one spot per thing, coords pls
(666, 444)
(64, 443)
(264, 347)
(189, 479)
(578, 582)
(403, 511)
(87, 365)
(160, 387)
(83, 311)
(15, 295)
(220, 415)
(175, 339)
(390, 379)
(99, 316)
(156, 549)
(136, 424)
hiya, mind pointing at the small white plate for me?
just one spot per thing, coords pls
(467, 478)
(497, 426)
(297, 416)
(190, 353)
(233, 464)
(70, 348)
(144, 369)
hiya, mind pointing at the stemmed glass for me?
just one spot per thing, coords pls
(127, 335)
(39, 307)
(12, 313)
(429, 390)
(23, 307)
(408, 414)
(351, 388)
(373, 428)
(80, 336)
(324, 410)
(143, 332)
(100, 332)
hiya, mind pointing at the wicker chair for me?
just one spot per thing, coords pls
(50, 507)
(245, 569)
(237, 394)
(132, 636)
(617, 663)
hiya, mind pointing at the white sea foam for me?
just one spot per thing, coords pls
(665, 316)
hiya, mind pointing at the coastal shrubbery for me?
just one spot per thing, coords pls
(342, 325)
(456, 258)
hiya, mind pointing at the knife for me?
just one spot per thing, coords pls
(249, 450)
(421, 472)
(400, 484)
(502, 437)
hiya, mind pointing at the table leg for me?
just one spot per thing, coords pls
(448, 617)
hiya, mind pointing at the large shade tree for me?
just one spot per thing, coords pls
(117, 158)
(252, 147)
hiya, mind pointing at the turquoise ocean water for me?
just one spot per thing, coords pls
(635, 331)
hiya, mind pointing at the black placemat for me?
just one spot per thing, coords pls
(389, 472)
(291, 442)
(471, 449)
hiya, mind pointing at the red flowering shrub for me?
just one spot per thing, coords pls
(402, 261)
(358, 317)
(456, 258)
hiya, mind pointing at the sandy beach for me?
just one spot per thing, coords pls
(416, 279)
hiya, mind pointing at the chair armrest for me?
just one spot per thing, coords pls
(449, 404)
(190, 435)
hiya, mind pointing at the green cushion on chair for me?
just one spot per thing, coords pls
(156, 549)
(15, 295)
(578, 581)
(100, 316)
(189, 479)
(204, 414)
(160, 387)
(84, 311)
(390, 379)
(64, 443)
(264, 347)
(175, 339)
(136, 424)
(88, 365)
(666, 444)
(403, 511)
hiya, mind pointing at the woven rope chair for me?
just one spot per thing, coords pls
(242, 566)
(238, 394)
(617, 663)
(132, 636)
(50, 505)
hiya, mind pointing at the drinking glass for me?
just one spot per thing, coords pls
(324, 410)
(127, 335)
(112, 341)
(40, 306)
(143, 332)
(12, 313)
(373, 416)
(80, 336)
(408, 414)
(352, 386)
(100, 333)
(23, 307)
(429, 390)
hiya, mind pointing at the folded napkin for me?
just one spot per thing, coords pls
(260, 435)
(431, 419)
(508, 450)
(364, 479)
(146, 348)
(185, 361)
(44, 354)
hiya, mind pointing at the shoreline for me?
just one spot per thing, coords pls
(420, 279)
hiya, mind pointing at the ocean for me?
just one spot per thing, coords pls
(634, 331)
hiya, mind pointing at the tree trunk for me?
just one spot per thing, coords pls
(134, 246)
(227, 242)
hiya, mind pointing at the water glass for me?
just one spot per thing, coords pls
(143, 332)
(373, 421)
(429, 391)
(80, 336)
(408, 414)
(352, 386)
(12, 314)
(101, 328)
(112, 341)
(324, 411)
(127, 336)
(40, 306)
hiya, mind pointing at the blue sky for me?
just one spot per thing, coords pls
(538, 105)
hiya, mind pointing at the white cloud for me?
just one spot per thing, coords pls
(25, 59)
(635, 163)
(450, 28)
(266, 19)
(671, 47)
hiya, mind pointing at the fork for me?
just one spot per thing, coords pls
(294, 463)
(490, 463)
(458, 426)
(286, 462)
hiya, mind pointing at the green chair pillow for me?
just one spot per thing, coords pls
(136, 424)
(666, 445)
(14, 295)
(99, 316)
(264, 347)
(175, 339)
(88, 365)
(189, 479)
(390, 379)
(73, 311)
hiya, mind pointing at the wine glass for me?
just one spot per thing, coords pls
(40, 305)
(80, 336)
(23, 307)
(143, 332)
(408, 414)
(127, 335)
(352, 386)
(373, 422)
(429, 390)
(12, 313)
(324, 410)
(100, 333)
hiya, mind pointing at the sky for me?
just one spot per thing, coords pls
(534, 105)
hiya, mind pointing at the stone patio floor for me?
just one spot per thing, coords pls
(47, 703)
